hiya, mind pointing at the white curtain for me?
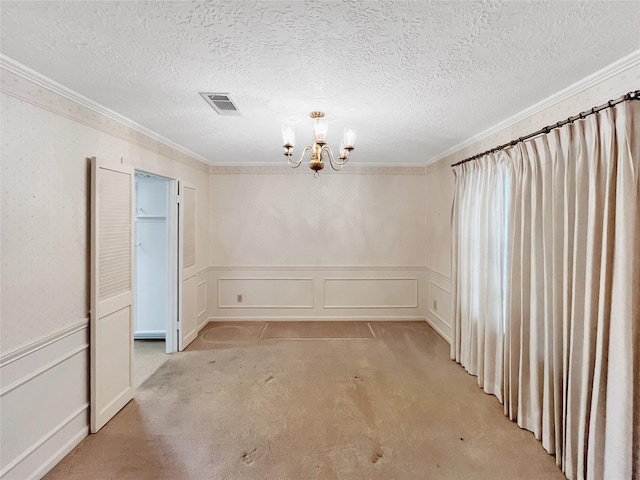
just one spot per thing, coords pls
(478, 254)
(572, 324)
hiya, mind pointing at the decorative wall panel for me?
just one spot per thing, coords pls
(371, 293)
(189, 239)
(439, 303)
(201, 296)
(316, 293)
(270, 292)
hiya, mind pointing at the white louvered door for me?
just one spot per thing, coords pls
(188, 321)
(111, 289)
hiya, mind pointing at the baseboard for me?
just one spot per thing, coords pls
(317, 318)
(440, 327)
(191, 336)
(62, 452)
(203, 324)
(150, 335)
(36, 462)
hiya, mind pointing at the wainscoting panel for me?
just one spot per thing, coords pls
(316, 293)
(370, 293)
(201, 295)
(202, 298)
(268, 292)
(439, 303)
(43, 402)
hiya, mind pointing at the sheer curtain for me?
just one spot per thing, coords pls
(478, 255)
(572, 326)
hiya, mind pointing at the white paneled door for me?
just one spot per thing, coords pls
(188, 322)
(111, 289)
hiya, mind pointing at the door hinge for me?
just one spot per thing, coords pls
(178, 199)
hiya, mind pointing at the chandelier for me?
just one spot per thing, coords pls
(319, 151)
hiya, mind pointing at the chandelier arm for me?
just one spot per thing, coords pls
(338, 162)
(293, 164)
(335, 164)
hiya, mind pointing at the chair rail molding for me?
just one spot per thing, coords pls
(39, 430)
(320, 268)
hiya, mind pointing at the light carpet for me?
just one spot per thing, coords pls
(148, 355)
(237, 406)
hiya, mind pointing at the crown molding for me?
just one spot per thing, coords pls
(626, 62)
(31, 75)
(629, 61)
(37, 78)
(283, 168)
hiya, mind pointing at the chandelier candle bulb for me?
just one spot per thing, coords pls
(320, 127)
(349, 137)
(344, 153)
(289, 134)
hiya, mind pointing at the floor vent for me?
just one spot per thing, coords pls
(222, 103)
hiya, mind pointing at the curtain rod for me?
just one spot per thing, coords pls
(629, 96)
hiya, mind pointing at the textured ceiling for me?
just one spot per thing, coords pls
(415, 77)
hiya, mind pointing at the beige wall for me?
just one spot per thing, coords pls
(46, 141)
(439, 181)
(283, 217)
(298, 238)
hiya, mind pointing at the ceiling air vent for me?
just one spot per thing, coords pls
(222, 103)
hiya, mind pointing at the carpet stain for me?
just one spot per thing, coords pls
(249, 457)
(360, 397)
(378, 452)
(377, 455)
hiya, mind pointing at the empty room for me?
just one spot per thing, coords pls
(320, 240)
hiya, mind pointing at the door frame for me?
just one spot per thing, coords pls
(175, 270)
